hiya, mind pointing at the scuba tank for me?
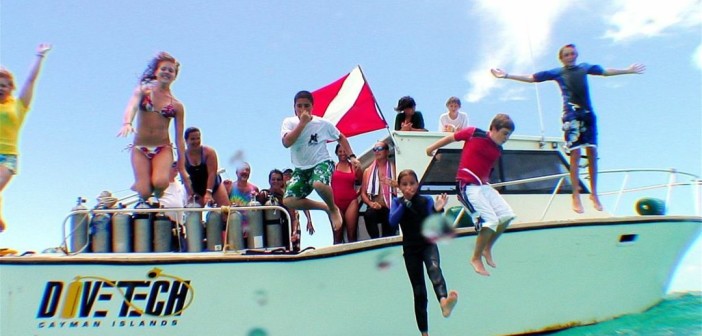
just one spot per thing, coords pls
(273, 224)
(142, 228)
(100, 241)
(162, 233)
(255, 217)
(235, 235)
(79, 227)
(121, 232)
(213, 230)
(193, 228)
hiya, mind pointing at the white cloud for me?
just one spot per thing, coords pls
(635, 19)
(517, 31)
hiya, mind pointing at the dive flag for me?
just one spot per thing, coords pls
(349, 104)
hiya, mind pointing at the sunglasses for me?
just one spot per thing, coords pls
(379, 148)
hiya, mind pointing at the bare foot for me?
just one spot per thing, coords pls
(596, 202)
(479, 267)
(488, 259)
(577, 205)
(295, 237)
(448, 303)
(335, 218)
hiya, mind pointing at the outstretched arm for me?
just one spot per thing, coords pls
(129, 113)
(632, 69)
(440, 143)
(499, 73)
(27, 92)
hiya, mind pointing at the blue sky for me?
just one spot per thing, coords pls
(242, 62)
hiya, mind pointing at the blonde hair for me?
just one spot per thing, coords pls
(4, 73)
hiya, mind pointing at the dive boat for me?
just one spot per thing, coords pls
(556, 268)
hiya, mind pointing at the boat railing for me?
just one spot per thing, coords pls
(72, 232)
(672, 181)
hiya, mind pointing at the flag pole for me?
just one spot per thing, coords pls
(377, 106)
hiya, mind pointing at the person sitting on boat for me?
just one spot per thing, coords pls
(377, 190)
(408, 119)
(410, 211)
(343, 185)
(12, 113)
(453, 120)
(276, 190)
(579, 122)
(481, 150)
(154, 106)
(242, 192)
(307, 136)
(175, 197)
(202, 164)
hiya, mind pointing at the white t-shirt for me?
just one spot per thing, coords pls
(174, 197)
(310, 148)
(461, 121)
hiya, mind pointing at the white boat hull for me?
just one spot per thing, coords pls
(550, 276)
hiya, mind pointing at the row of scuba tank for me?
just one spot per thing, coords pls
(121, 232)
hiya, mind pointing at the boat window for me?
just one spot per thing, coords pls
(513, 165)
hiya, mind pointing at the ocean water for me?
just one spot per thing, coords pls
(680, 314)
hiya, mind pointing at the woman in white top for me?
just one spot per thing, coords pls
(453, 120)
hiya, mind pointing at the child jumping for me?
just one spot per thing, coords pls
(410, 211)
(480, 152)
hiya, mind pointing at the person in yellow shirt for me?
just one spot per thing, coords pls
(12, 113)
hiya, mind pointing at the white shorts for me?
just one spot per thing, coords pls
(485, 202)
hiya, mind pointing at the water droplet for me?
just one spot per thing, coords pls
(258, 332)
(384, 261)
(437, 227)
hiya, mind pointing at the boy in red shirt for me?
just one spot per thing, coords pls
(480, 152)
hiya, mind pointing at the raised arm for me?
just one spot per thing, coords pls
(27, 92)
(344, 142)
(632, 69)
(499, 73)
(290, 137)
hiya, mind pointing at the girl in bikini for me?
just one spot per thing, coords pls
(153, 105)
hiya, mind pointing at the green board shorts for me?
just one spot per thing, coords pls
(300, 185)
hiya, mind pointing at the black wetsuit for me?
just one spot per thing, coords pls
(418, 251)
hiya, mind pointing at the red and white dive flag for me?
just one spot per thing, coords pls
(349, 104)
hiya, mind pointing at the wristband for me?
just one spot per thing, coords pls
(506, 76)
(208, 190)
(352, 156)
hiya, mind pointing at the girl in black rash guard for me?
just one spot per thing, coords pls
(410, 211)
